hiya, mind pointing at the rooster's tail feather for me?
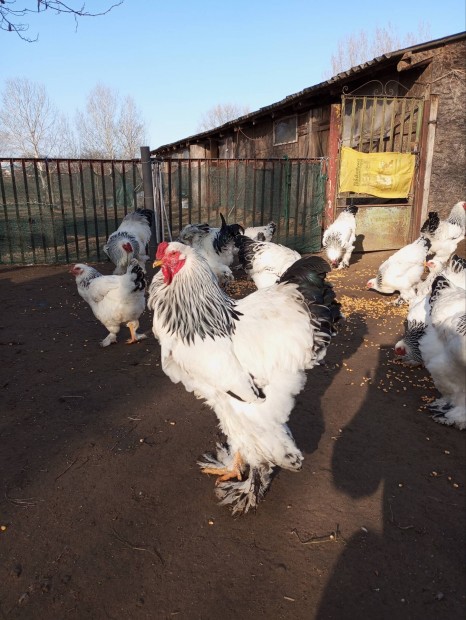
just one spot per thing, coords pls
(308, 273)
(147, 213)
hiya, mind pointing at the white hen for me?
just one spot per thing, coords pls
(264, 261)
(114, 299)
(130, 240)
(339, 238)
(261, 233)
(407, 349)
(445, 235)
(217, 245)
(402, 271)
(246, 358)
(443, 349)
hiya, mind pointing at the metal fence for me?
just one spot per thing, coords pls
(251, 192)
(63, 210)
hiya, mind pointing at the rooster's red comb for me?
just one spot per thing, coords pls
(161, 249)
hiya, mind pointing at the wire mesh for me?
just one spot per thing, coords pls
(62, 211)
(250, 192)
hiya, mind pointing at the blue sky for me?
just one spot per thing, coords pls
(178, 59)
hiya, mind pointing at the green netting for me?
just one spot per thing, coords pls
(62, 211)
(250, 192)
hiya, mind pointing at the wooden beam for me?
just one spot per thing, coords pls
(332, 172)
(429, 156)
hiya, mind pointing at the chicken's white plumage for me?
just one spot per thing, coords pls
(130, 240)
(407, 349)
(216, 245)
(339, 238)
(402, 271)
(114, 299)
(445, 235)
(264, 262)
(443, 349)
(246, 358)
(261, 233)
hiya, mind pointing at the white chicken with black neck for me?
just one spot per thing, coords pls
(246, 358)
(114, 299)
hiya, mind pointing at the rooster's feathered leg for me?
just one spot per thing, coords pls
(225, 473)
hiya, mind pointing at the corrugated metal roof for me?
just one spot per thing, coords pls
(336, 80)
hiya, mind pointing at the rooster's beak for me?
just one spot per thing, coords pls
(156, 263)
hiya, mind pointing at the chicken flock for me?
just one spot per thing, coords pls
(247, 358)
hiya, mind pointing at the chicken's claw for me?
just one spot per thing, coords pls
(135, 337)
(225, 473)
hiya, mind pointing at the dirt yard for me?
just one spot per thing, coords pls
(105, 514)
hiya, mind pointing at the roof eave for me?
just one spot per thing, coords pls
(337, 80)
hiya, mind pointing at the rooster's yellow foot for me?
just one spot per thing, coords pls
(223, 473)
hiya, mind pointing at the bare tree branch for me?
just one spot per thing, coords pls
(30, 124)
(362, 46)
(11, 17)
(110, 128)
(221, 114)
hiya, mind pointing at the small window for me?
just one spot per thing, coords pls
(285, 130)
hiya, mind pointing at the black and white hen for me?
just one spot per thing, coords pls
(445, 235)
(217, 245)
(264, 261)
(402, 271)
(114, 299)
(246, 358)
(261, 233)
(130, 240)
(443, 349)
(407, 349)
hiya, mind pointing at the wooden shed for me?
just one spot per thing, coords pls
(407, 101)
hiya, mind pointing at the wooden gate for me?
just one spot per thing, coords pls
(377, 124)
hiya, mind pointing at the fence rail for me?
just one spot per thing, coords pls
(63, 210)
(250, 192)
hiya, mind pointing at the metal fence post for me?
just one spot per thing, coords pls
(148, 188)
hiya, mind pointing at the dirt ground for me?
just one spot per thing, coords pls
(105, 513)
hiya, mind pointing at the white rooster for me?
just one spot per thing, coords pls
(261, 233)
(264, 261)
(407, 349)
(402, 271)
(339, 238)
(114, 299)
(130, 240)
(443, 349)
(445, 235)
(246, 358)
(217, 245)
